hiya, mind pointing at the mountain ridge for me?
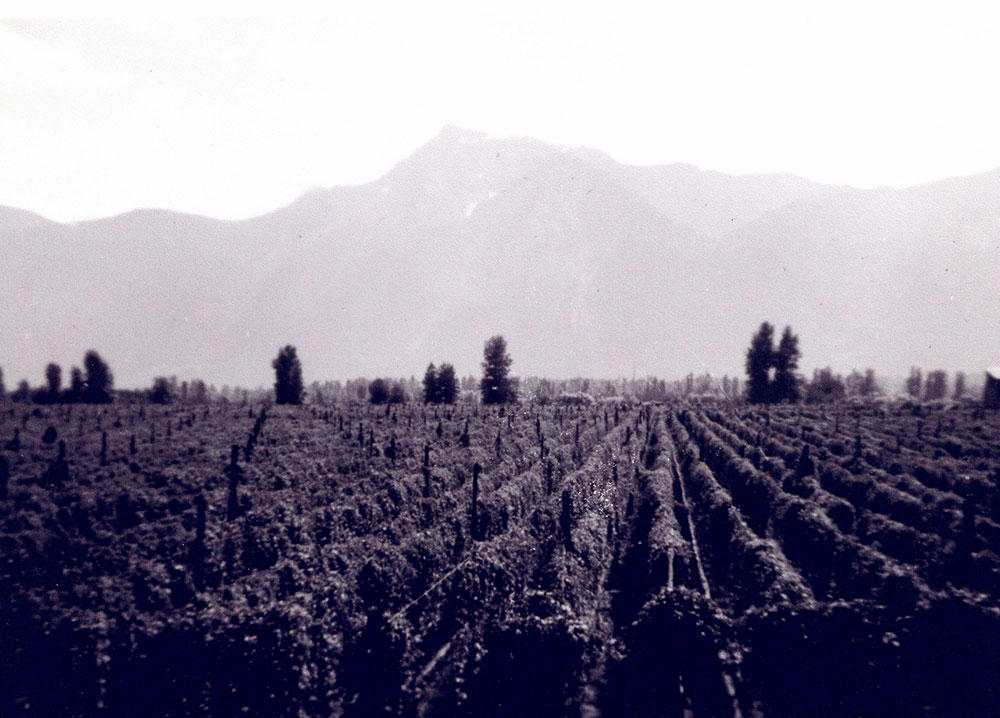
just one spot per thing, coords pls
(588, 267)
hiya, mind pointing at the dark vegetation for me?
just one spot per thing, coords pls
(382, 391)
(440, 385)
(288, 388)
(771, 376)
(497, 386)
(560, 559)
(94, 387)
(161, 393)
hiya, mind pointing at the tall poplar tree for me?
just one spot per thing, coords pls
(447, 384)
(53, 382)
(99, 385)
(288, 387)
(759, 360)
(786, 361)
(496, 386)
(431, 393)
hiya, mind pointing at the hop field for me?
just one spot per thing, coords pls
(654, 560)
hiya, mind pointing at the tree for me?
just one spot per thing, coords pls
(786, 361)
(870, 386)
(759, 361)
(77, 385)
(496, 386)
(861, 385)
(198, 393)
(22, 393)
(288, 388)
(958, 394)
(914, 382)
(99, 385)
(160, 393)
(53, 382)
(853, 383)
(3, 390)
(447, 384)
(825, 386)
(378, 391)
(397, 394)
(936, 385)
(431, 385)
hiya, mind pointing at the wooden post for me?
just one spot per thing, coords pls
(474, 511)
(233, 471)
(427, 470)
(566, 520)
(198, 550)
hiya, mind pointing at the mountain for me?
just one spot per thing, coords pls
(17, 220)
(587, 267)
(711, 202)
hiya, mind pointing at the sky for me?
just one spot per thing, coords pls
(231, 118)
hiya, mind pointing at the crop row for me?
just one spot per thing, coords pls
(937, 531)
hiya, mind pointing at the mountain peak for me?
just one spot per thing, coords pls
(586, 265)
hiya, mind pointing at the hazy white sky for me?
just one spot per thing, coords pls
(233, 118)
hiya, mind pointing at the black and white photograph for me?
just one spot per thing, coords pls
(548, 359)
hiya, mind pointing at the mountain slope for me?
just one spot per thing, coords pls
(588, 267)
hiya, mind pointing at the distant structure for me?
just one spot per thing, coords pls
(991, 392)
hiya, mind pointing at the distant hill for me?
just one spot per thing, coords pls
(18, 220)
(588, 267)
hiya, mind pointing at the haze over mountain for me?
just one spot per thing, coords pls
(586, 266)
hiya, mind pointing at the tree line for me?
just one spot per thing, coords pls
(934, 386)
(771, 377)
(94, 384)
(440, 385)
